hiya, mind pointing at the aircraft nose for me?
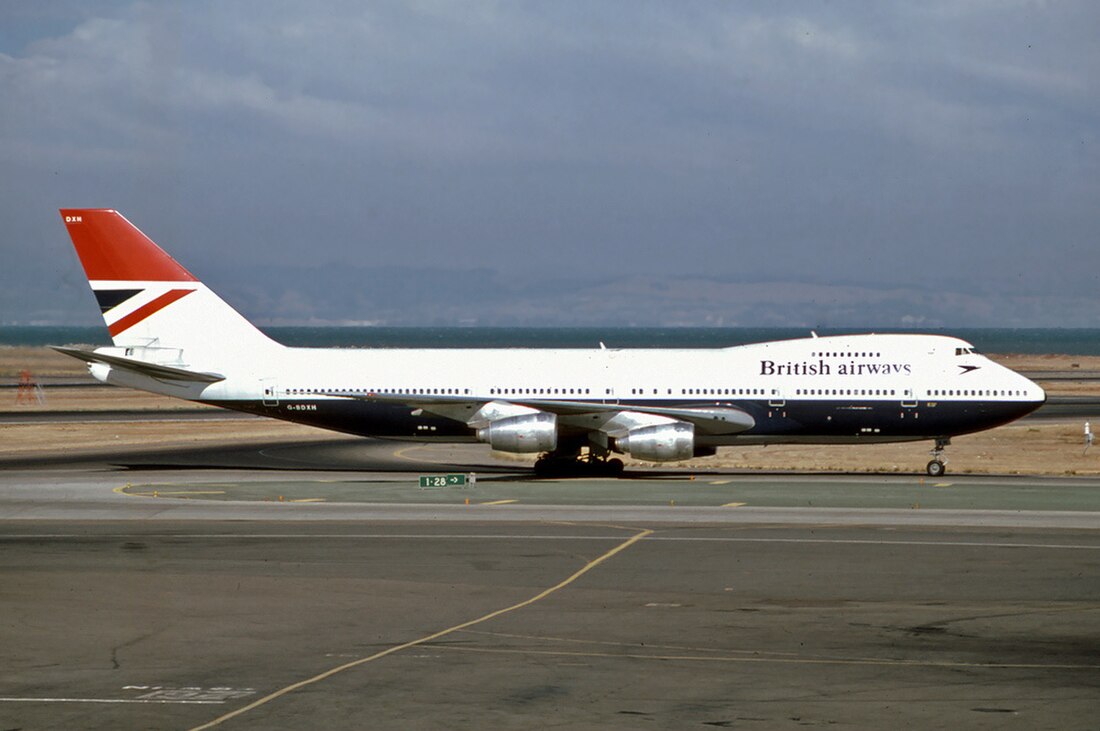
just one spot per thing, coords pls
(1034, 391)
(1034, 395)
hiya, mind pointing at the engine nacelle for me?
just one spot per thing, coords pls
(526, 433)
(660, 443)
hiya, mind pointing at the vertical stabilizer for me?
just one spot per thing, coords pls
(149, 300)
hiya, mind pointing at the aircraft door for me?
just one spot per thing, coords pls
(908, 399)
(270, 390)
(909, 405)
(777, 404)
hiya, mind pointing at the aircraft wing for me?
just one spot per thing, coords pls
(476, 412)
(154, 370)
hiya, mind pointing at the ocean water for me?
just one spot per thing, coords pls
(1067, 341)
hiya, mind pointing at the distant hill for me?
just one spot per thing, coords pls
(434, 296)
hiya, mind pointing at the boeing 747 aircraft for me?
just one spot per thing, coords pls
(576, 408)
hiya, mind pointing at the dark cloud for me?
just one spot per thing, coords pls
(938, 146)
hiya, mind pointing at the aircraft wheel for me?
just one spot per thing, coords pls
(614, 466)
(936, 468)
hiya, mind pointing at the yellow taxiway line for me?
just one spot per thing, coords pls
(429, 638)
(122, 490)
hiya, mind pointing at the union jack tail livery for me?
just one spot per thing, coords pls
(148, 300)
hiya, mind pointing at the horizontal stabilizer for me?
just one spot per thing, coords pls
(145, 368)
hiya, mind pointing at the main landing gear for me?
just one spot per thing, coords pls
(937, 467)
(575, 464)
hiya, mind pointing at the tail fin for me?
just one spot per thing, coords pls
(147, 298)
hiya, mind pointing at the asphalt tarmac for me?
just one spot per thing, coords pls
(131, 599)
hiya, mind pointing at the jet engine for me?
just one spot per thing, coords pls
(526, 433)
(660, 443)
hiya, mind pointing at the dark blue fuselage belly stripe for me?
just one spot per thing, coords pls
(802, 420)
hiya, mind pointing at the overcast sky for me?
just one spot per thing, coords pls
(936, 145)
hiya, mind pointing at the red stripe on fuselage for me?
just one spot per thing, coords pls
(146, 310)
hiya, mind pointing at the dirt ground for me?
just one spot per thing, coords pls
(40, 362)
(1028, 447)
(1025, 448)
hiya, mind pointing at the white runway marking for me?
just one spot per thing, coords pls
(108, 700)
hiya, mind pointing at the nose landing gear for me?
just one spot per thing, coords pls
(938, 466)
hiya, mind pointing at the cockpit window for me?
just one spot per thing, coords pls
(965, 351)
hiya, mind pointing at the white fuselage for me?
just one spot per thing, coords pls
(838, 388)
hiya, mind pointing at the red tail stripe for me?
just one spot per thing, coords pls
(112, 248)
(146, 310)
